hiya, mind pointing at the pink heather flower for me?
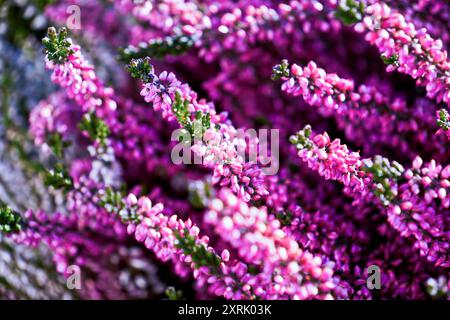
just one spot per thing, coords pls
(416, 52)
(161, 90)
(79, 80)
(219, 147)
(155, 230)
(334, 161)
(421, 210)
(160, 233)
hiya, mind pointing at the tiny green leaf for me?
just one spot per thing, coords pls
(10, 221)
(280, 70)
(350, 11)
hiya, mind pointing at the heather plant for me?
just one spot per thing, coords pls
(356, 93)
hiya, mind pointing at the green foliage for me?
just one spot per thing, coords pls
(350, 11)
(111, 200)
(56, 45)
(17, 138)
(58, 178)
(262, 121)
(444, 119)
(384, 174)
(141, 69)
(301, 139)
(200, 193)
(280, 70)
(95, 127)
(158, 48)
(198, 252)
(10, 221)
